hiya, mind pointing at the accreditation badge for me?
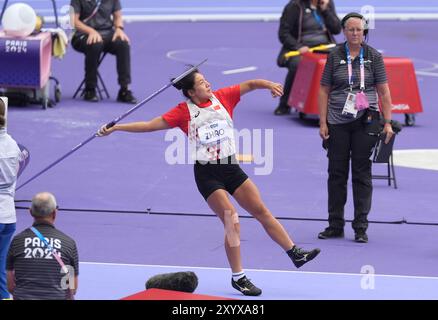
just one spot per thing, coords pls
(350, 105)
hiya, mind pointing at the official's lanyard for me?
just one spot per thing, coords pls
(47, 244)
(318, 18)
(94, 11)
(350, 69)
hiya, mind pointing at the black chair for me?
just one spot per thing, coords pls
(382, 153)
(100, 84)
(390, 176)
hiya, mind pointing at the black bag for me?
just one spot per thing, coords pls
(371, 122)
(281, 60)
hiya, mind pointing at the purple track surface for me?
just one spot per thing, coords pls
(128, 172)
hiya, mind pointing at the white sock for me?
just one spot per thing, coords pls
(238, 275)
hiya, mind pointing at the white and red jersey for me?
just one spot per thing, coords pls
(211, 132)
(209, 126)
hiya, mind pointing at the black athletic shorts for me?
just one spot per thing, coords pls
(225, 174)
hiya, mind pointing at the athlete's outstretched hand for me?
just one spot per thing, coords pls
(104, 131)
(276, 90)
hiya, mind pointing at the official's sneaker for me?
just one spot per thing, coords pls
(300, 256)
(126, 95)
(282, 110)
(361, 237)
(90, 95)
(245, 286)
(330, 233)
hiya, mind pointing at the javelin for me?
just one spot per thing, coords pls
(112, 123)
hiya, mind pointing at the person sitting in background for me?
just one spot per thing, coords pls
(33, 264)
(303, 24)
(99, 28)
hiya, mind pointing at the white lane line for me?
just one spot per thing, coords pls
(206, 9)
(417, 158)
(425, 73)
(256, 270)
(240, 70)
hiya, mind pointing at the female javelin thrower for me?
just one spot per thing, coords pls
(206, 117)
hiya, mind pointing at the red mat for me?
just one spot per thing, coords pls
(160, 294)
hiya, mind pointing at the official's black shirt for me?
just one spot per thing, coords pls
(102, 20)
(335, 76)
(37, 273)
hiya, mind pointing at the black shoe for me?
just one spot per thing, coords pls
(246, 287)
(330, 233)
(282, 110)
(361, 237)
(300, 256)
(125, 95)
(90, 95)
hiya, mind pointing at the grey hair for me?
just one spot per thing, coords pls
(43, 204)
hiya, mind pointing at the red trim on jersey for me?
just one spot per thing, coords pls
(180, 115)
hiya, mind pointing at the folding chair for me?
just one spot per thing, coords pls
(390, 176)
(100, 84)
(383, 154)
